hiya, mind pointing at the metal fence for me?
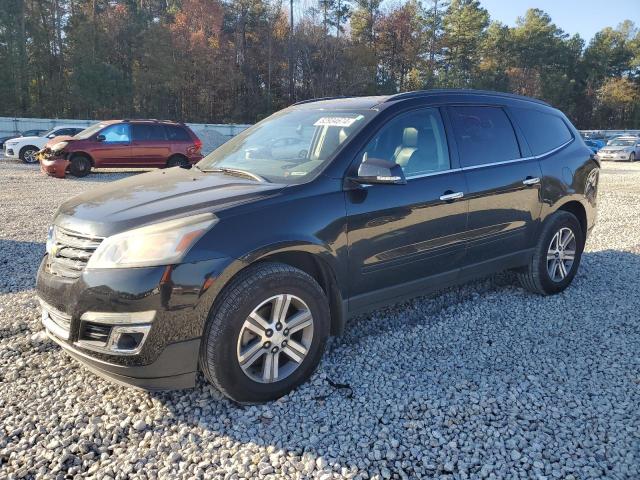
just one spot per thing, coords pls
(212, 135)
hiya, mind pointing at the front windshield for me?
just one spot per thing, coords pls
(88, 132)
(621, 143)
(289, 146)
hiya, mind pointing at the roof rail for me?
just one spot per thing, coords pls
(311, 100)
(426, 93)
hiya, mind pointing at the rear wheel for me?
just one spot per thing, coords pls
(28, 154)
(177, 161)
(80, 166)
(266, 334)
(556, 257)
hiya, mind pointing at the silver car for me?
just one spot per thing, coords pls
(621, 148)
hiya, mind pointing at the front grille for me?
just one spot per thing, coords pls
(70, 252)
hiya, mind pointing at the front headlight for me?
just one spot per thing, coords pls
(158, 244)
(57, 147)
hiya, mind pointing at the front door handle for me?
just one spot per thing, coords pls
(531, 181)
(447, 197)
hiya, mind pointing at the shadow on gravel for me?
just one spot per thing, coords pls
(19, 262)
(488, 346)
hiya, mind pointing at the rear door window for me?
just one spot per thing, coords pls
(177, 134)
(484, 135)
(543, 131)
(146, 132)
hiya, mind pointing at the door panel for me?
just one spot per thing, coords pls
(115, 149)
(504, 200)
(402, 233)
(503, 210)
(402, 236)
(149, 147)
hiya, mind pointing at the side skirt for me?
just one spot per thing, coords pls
(370, 301)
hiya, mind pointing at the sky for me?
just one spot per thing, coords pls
(585, 17)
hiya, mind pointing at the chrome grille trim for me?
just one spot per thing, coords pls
(55, 321)
(70, 252)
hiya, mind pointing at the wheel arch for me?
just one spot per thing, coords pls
(313, 259)
(579, 211)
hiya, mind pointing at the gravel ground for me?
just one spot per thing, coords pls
(480, 381)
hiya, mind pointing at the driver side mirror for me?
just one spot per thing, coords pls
(100, 138)
(51, 135)
(379, 171)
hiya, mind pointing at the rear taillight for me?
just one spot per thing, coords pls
(197, 145)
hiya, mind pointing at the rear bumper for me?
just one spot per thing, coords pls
(56, 167)
(174, 369)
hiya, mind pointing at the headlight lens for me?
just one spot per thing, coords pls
(158, 244)
(57, 147)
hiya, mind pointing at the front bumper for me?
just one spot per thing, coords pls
(10, 152)
(56, 167)
(181, 297)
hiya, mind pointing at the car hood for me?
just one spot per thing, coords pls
(28, 139)
(155, 196)
(60, 138)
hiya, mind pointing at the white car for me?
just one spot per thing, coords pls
(25, 148)
(621, 148)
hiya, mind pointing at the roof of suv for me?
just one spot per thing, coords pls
(374, 101)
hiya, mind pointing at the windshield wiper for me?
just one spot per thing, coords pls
(239, 173)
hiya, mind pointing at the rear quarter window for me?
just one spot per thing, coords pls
(543, 131)
(177, 134)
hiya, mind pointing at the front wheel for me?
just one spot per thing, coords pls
(28, 154)
(80, 166)
(632, 157)
(266, 334)
(556, 256)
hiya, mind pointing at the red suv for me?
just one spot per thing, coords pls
(121, 144)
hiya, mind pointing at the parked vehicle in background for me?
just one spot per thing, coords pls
(621, 148)
(26, 133)
(25, 148)
(594, 145)
(122, 144)
(242, 267)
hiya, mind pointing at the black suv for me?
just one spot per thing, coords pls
(242, 266)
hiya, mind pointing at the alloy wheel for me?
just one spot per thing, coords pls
(30, 156)
(275, 338)
(561, 254)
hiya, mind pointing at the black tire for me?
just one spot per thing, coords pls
(178, 161)
(536, 277)
(80, 166)
(27, 154)
(219, 349)
(632, 157)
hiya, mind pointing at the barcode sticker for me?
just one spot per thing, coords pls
(335, 121)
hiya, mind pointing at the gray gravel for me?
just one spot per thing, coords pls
(480, 381)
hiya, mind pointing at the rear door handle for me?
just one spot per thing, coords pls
(531, 181)
(451, 196)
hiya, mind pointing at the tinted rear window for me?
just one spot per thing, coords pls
(147, 131)
(177, 133)
(543, 131)
(484, 135)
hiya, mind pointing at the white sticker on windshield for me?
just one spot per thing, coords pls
(335, 121)
(298, 174)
